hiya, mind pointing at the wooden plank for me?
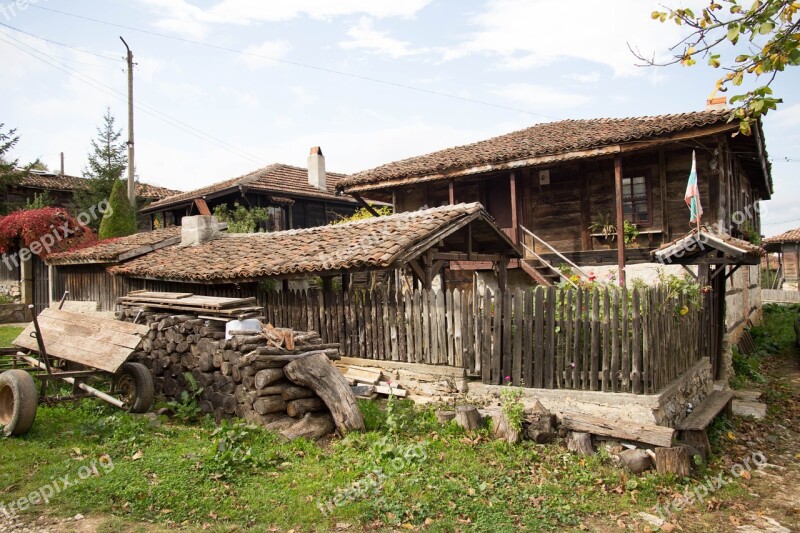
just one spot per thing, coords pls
(419, 351)
(636, 350)
(497, 338)
(426, 326)
(620, 429)
(587, 337)
(594, 363)
(527, 340)
(605, 352)
(410, 346)
(507, 347)
(538, 338)
(458, 328)
(88, 331)
(550, 332)
(95, 322)
(576, 341)
(569, 319)
(705, 413)
(560, 338)
(392, 338)
(615, 342)
(625, 384)
(441, 328)
(486, 336)
(516, 356)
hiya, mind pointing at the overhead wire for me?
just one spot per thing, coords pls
(145, 108)
(299, 64)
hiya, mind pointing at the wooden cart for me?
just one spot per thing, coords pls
(74, 348)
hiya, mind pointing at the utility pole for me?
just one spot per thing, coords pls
(131, 166)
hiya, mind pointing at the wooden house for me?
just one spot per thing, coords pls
(555, 186)
(294, 197)
(784, 269)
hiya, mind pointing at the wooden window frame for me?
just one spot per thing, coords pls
(648, 189)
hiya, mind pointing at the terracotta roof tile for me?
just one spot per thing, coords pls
(370, 243)
(55, 182)
(111, 250)
(793, 235)
(284, 180)
(545, 139)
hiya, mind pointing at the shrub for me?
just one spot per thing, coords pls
(120, 218)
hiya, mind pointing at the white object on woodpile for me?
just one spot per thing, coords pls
(250, 324)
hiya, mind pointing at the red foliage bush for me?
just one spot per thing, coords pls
(23, 228)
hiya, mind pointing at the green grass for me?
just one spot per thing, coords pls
(171, 475)
(8, 334)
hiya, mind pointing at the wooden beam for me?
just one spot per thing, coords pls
(452, 192)
(512, 182)
(502, 274)
(620, 220)
(460, 256)
(662, 180)
(363, 204)
(417, 268)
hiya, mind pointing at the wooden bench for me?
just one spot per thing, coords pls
(692, 429)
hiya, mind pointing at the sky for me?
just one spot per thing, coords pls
(224, 87)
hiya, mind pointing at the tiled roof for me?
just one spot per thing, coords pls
(120, 248)
(284, 180)
(793, 235)
(547, 139)
(372, 243)
(684, 250)
(55, 182)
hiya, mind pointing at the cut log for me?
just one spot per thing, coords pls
(673, 460)
(312, 426)
(580, 443)
(538, 425)
(635, 460)
(620, 429)
(502, 430)
(276, 389)
(298, 408)
(468, 417)
(279, 422)
(263, 378)
(269, 404)
(296, 393)
(318, 374)
(445, 416)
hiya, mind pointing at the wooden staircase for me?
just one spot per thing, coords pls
(541, 270)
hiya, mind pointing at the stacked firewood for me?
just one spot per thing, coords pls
(260, 376)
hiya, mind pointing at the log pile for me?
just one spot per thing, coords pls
(267, 377)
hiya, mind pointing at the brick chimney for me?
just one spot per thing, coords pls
(198, 229)
(717, 104)
(316, 169)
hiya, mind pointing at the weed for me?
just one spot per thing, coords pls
(187, 409)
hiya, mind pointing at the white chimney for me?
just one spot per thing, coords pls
(717, 104)
(198, 229)
(316, 169)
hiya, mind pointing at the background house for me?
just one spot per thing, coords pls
(295, 197)
(783, 266)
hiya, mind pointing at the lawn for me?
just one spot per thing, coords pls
(8, 334)
(406, 472)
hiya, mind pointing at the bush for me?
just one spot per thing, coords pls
(120, 218)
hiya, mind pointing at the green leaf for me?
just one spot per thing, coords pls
(766, 27)
(742, 58)
(733, 33)
(714, 61)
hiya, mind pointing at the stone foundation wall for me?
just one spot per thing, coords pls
(11, 290)
(14, 313)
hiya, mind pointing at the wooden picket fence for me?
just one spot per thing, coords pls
(612, 340)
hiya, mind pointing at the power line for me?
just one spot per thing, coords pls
(110, 58)
(147, 109)
(780, 222)
(301, 65)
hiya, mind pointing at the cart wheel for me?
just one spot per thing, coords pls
(135, 385)
(18, 402)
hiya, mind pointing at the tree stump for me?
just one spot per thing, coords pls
(468, 417)
(501, 429)
(320, 375)
(675, 460)
(580, 443)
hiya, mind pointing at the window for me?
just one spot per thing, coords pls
(636, 200)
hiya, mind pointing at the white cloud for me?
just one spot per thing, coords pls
(247, 99)
(259, 56)
(364, 36)
(539, 96)
(182, 17)
(588, 78)
(530, 33)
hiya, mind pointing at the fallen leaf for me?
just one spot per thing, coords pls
(138, 455)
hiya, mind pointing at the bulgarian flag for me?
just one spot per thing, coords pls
(692, 195)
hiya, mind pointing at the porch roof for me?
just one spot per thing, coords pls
(449, 233)
(707, 246)
(774, 243)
